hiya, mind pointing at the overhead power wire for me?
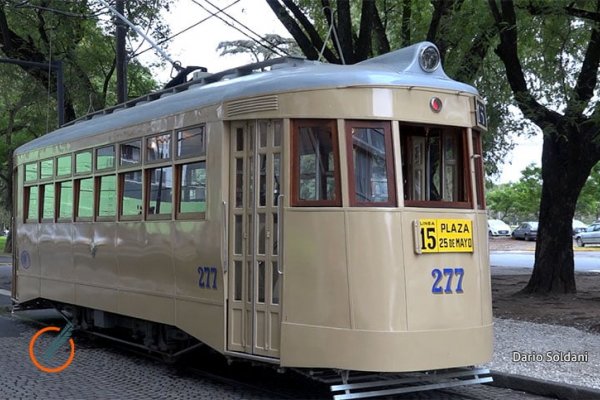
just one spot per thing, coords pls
(167, 39)
(272, 48)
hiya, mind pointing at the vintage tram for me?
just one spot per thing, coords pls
(309, 216)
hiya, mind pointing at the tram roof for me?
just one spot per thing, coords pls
(399, 68)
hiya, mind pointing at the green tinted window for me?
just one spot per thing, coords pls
(161, 191)
(31, 172)
(85, 206)
(65, 206)
(105, 157)
(32, 206)
(193, 187)
(47, 169)
(107, 206)
(132, 193)
(48, 204)
(63, 165)
(83, 162)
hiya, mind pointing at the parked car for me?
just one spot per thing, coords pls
(497, 227)
(590, 236)
(526, 231)
(578, 226)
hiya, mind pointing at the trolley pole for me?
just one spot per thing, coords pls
(121, 63)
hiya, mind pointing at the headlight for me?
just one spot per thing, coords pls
(429, 59)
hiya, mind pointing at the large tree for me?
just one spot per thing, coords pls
(554, 84)
(78, 34)
(549, 56)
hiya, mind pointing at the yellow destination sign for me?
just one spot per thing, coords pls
(445, 235)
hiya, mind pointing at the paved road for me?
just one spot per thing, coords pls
(584, 261)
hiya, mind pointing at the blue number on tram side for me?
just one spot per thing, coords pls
(439, 275)
(204, 282)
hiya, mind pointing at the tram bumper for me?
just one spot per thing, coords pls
(362, 350)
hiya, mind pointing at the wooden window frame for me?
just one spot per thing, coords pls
(76, 200)
(58, 176)
(176, 142)
(296, 124)
(119, 154)
(26, 198)
(42, 194)
(147, 177)
(145, 159)
(464, 169)
(389, 162)
(121, 194)
(52, 173)
(97, 187)
(106, 169)
(58, 192)
(177, 195)
(83, 173)
(37, 177)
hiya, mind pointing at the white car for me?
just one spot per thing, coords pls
(497, 227)
(590, 236)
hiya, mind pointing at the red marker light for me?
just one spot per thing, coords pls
(435, 104)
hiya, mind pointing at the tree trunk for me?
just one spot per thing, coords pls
(566, 167)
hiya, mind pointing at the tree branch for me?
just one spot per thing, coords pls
(506, 24)
(344, 29)
(292, 27)
(363, 45)
(588, 76)
(310, 30)
(383, 45)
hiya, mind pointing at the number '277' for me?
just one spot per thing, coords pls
(447, 279)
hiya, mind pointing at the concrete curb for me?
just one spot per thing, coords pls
(540, 387)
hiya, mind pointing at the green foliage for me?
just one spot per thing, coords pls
(519, 201)
(260, 52)
(81, 35)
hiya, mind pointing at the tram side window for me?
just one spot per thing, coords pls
(47, 169)
(131, 189)
(31, 172)
(48, 203)
(105, 157)
(433, 165)
(131, 153)
(63, 166)
(370, 162)
(85, 198)
(107, 196)
(192, 194)
(158, 147)
(65, 200)
(160, 188)
(315, 164)
(31, 203)
(83, 162)
(191, 142)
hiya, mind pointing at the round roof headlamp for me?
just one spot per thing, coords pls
(429, 59)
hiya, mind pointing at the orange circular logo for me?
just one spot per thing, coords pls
(35, 360)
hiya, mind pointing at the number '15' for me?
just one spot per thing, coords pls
(445, 276)
(428, 238)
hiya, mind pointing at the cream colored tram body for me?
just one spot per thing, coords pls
(311, 216)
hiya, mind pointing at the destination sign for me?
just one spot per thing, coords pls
(444, 236)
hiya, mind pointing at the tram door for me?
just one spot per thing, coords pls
(254, 309)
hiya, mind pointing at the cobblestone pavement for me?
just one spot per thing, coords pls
(102, 371)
